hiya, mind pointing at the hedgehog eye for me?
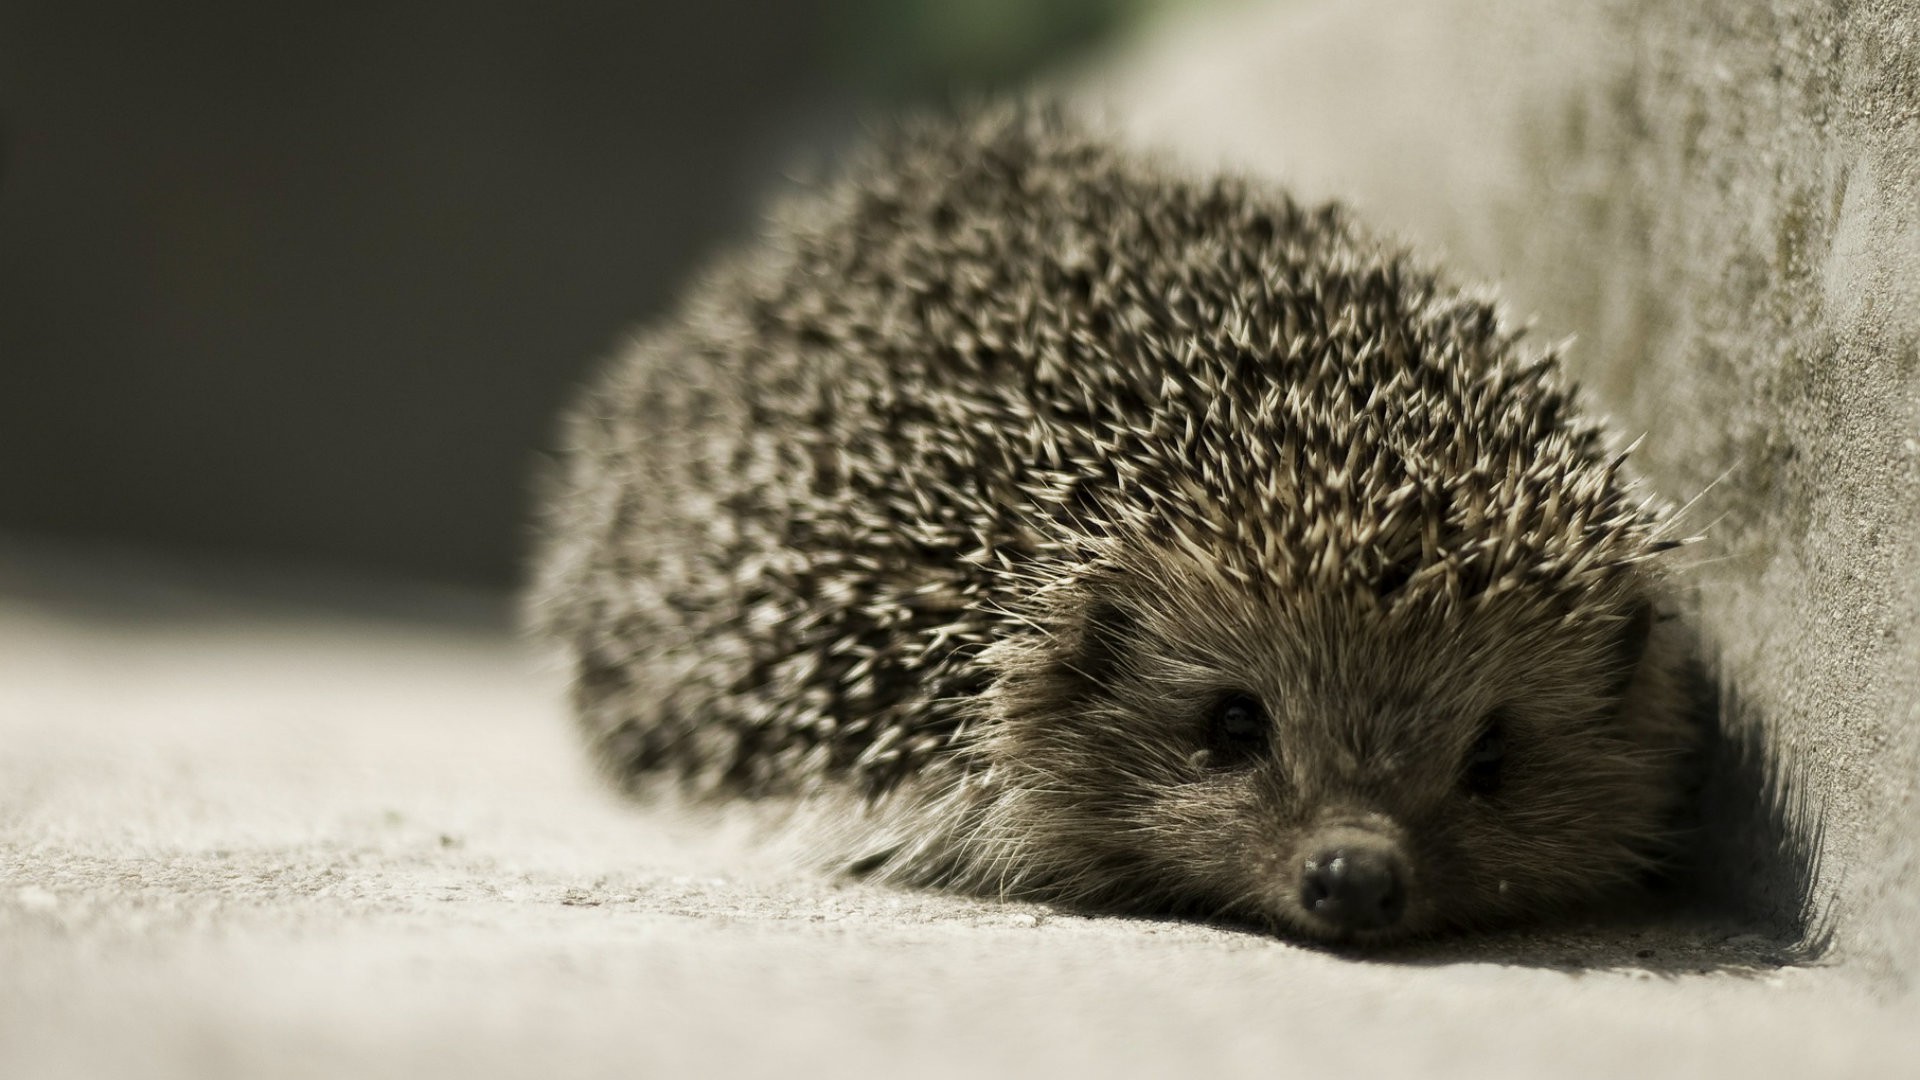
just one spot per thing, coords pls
(1481, 774)
(1237, 730)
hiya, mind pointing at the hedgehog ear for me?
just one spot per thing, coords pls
(1103, 642)
(1631, 646)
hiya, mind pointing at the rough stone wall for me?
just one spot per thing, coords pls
(1720, 201)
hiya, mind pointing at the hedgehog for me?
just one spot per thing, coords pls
(1049, 523)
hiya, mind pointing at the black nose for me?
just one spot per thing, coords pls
(1353, 888)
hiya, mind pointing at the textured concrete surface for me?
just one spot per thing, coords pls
(1720, 203)
(253, 839)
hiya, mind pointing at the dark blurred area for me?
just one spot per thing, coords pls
(310, 282)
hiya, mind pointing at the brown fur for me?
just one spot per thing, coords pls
(958, 503)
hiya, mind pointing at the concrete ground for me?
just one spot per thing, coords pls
(255, 830)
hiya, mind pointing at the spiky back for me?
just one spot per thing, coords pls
(795, 515)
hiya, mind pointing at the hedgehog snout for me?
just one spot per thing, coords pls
(1353, 880)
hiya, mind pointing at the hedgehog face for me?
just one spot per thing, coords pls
(1334, 768)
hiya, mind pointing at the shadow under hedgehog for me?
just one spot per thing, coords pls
(1054, 526)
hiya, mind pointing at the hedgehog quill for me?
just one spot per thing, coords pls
(1061, 527)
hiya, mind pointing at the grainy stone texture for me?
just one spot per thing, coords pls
(1721, 202)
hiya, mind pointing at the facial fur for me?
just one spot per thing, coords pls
(1119, 792)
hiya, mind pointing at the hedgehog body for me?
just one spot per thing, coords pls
(1083, 532)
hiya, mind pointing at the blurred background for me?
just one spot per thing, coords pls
(309, 282)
